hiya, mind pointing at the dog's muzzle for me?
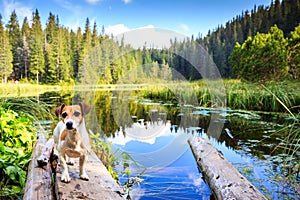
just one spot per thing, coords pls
(69, 125)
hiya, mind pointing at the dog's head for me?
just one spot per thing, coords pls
(73, 115)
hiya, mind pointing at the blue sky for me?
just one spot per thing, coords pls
(183, 16)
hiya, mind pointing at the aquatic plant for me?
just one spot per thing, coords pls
(237, 94)
(110, 159)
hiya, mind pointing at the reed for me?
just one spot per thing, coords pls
(25, 90)
(236, 94)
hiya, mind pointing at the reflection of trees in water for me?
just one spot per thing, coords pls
(114, 111)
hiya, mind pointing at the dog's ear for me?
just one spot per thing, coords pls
(85, 109)
(59, 109)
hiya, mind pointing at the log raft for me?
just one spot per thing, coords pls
(224, 180)
(43, 178)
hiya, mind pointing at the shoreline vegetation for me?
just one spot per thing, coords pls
(234, 94)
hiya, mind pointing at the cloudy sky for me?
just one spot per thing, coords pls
(183, 16)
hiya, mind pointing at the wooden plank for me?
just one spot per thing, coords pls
(100, 186)
(224, 180)
(44, 158)
(38, 184)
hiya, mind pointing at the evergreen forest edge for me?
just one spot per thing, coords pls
(260, 45)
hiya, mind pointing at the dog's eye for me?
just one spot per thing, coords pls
(76, 114)
(64, 115)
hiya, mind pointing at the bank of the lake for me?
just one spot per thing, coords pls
(235, 94)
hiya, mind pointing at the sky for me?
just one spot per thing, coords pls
(186, 17)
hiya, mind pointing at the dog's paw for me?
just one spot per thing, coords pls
(65, 178)
(84, 176)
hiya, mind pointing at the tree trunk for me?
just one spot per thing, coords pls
(224, 180)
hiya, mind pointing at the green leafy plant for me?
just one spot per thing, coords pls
(17, 136)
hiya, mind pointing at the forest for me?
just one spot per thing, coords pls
(248, 47)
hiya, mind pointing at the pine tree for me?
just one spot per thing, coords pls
(262, 58)
(6, 57)
(25, 51)
(51, 50)
(294, 53)
(16, 42)
(36, 47)
(64, 64)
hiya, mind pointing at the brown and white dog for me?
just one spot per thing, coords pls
(71, 137)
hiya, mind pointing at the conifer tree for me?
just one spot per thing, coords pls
(51, 50)
(36, 47)
(25, 51)
(294, 53)
(6, 57)
(14, 33)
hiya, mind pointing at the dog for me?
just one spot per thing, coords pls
(71, 137)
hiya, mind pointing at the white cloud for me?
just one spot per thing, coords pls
(184, 27)
(21, 10)
(116, 29)
(150, 37)
(127, 1)
(145, 35)
(93, 1)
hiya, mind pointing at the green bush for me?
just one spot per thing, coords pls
(17, 136)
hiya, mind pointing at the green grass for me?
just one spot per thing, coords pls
(25, 90)
(274, 97)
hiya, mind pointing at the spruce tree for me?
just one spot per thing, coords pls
(51, 50)
(6, 57)
(36, 47)
(25, 51)
(16, 43)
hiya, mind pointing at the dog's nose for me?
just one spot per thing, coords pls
(69, 125)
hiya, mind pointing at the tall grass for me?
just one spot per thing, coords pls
(237, 94)
(25, 90)
(289, 173)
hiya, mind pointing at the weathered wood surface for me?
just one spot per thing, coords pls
(39, 183)
(224, 180)
(100, 186)
(44, 158)
(39, 179)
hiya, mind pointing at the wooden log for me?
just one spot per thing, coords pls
(224, 180)
(39, 179)
(44, 158)
(100, 186)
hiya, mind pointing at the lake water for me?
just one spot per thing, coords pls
(154, 135)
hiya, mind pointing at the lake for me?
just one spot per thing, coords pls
(154, 137)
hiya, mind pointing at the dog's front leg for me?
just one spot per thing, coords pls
(64, 174)
(82, 172)
(70, 161)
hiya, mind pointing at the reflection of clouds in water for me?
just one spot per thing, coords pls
(137, 193)
(145, 132)
(195, 179)
(160, 155)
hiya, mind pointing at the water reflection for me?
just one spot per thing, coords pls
(155, 134)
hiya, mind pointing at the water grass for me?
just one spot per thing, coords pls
(25, 90)
(274, 97)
